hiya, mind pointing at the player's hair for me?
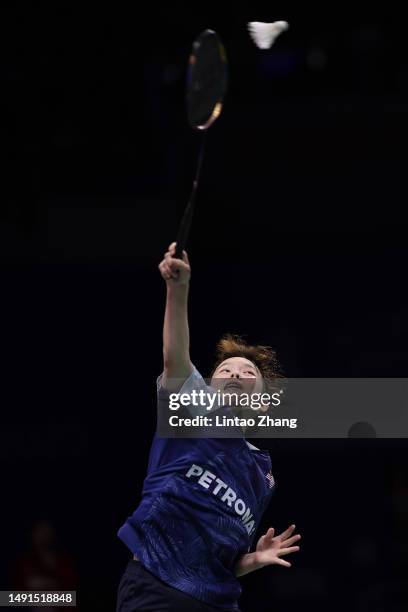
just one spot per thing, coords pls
(264, 357)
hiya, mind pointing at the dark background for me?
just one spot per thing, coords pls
(299, 242)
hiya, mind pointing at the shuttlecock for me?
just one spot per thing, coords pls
(265, 34)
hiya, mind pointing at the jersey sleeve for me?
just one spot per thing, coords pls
(164, 450)
(197, 405)
(194, 382)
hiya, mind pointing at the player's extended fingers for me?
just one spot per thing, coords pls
(287, 533)
(283, 562)
(292, 540)
(270, 533)
(287, 551)
(185, 257)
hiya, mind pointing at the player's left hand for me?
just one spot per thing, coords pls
(271, 548)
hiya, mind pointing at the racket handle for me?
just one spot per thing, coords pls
(185, 224)
(184, 230)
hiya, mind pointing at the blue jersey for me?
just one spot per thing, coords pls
(201, 504)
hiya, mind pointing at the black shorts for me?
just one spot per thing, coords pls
(141, 591)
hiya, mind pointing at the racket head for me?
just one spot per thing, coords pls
(207, 80)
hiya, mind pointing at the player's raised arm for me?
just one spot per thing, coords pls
(176, 338)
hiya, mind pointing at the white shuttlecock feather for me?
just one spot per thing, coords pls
(265, 34)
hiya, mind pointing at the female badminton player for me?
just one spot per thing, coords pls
(202, 498)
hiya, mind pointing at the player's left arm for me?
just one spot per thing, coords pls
(269, 551)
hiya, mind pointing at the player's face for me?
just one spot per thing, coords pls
(237, 375)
